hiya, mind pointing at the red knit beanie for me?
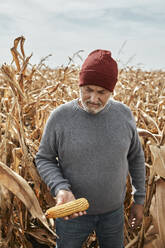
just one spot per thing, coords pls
(100, 69)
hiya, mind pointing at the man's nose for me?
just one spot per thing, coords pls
(94, 98)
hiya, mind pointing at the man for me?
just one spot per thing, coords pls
(87, 149)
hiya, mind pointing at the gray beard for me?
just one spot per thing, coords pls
(95, 111)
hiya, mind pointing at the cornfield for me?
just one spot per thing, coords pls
(28, 93)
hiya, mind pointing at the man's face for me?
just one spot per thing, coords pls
(93, 98)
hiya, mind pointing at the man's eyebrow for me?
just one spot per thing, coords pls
(89, 88)
(101, 91)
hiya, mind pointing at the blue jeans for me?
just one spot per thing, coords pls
(109, 230)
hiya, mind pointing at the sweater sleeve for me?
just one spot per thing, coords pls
(47, 159)
(136, 162)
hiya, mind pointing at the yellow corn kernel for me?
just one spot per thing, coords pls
(68, 208)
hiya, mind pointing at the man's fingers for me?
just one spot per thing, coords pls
(136, 215)
(75, 215)
(59, 201)
(80, 213)
(72, 216)
(66, 218)
(132, 222)
(135, 223)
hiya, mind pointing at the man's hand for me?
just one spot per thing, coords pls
(136, 215)
(65, 196)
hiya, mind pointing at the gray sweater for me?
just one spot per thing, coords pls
(91, 155)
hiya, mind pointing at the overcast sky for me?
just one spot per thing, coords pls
(63, 27)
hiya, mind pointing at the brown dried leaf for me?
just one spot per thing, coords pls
(149, 119)
(162, 142)
(10, 78)
(41, 236)
(23, 69)
(15, 57)
(143, 132)
(159, 160)
(16, 41)
(22, 46)
(18, 186)
(17, 154)
(158, 213)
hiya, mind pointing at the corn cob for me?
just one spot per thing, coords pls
(68, 208)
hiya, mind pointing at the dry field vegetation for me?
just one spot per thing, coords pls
(27, 96)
